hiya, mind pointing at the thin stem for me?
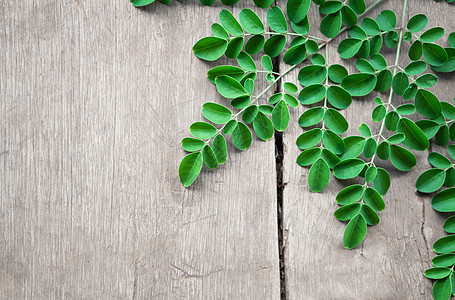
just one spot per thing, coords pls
(397, 58)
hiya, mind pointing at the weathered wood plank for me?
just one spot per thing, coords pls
(390, 262)
(95, 100)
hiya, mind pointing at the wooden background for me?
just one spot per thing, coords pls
(95, 98)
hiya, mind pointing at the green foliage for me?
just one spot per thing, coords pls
(325, 90)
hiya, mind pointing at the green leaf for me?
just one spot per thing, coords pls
(241, 102)
(312, 94)
(358, 6)
(295, 55)
(415, 138)
(371, 173)
(219, 31)
(139, 3)
(434, 54)
(370, 148)
(401, 158)
(387, 20)
(266, 109)
(349, 47)
(192, 144)
(330, 7)
(302, 27)
(360, 84)
(348, 168)
(189, 168)
(309, 156)
(263, 126)
(330, 158)
(378, 61)
(280, 116)
(291, 100)
(290, 87)
(337, 73)
(444, 201)
(309, 139)
(241, 136)
(355, 232)
(234, 47)
(232, 71)
(311, 117)
(230, 23)
(451, 39)
(450, 177)
(335, 121)
(415, 51)
(417, 23)
(373, 199)
(442, 289)
(445, 245)
(319, 175)
(400, 83)
(382, 181)
(428, 127)
(209, 158)
(383, 150)
(410, 92)
(427, 104)
(427, 80)
(449, 225)
(364, 66)
(250, 113)
(391, 120)
(263, 3)
(444, 260)
(378, 113)
(442, 136)
(370, 26)
(376, 44)
(210, 48)
(439, 161)
(448, 110)
(357, 32)
(350, 194)
(230, 127)
(406, 109)
(246, 62)
(348, 16)
(353, 146)
(437, 273)
(202, 130)
(250, 21)
(338, 97)
(216, 113)
(333, 142)
(384, 80)
(347, 212)
(274, 45)
(391, 39)
(416, 68)
(432, 34)
(254, 44)
(312, 74)
(371, 217)
(331, 24)
(229, 87)
(276, 20)
(297, 10)
(267, 63)
(220, 148)
(364, 130)
(317, 58)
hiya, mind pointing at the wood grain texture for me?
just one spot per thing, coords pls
(95, 98)
(389, 264)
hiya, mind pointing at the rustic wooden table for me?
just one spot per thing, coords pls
(95, 98)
